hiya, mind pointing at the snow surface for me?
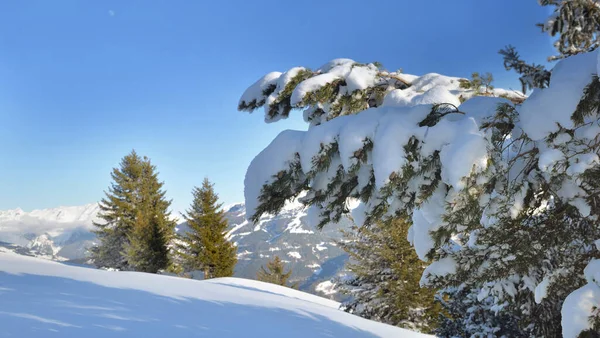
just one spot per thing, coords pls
(326, 287)
(44, 299)
(580, 304)
(557, 102)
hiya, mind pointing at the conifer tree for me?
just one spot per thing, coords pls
(136, 228)
(118, 211)
(275, 273)
(515, 233)
(152, 231)
(576, 23)
(385, 277)
(205, 247)
(464, 314)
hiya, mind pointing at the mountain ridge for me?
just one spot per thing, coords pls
(65, 234)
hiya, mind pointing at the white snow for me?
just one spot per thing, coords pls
(326, 287)
(464, 149)
(569, 78)
(53, 221)
(310, 85)
(577, 309)
(254, 93)
(439, 268)
(361, 78)
(48, 298)
(294, 254)
(541, 290)
(273, 159)
(321, 246)
(548, 158)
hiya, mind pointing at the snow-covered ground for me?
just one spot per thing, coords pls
(40, 298)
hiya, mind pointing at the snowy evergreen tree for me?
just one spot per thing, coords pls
(205, 247)
(275, 273)
(384, 285)
(576, 23)
(502, 200)
(344, 95)
(137, 228)
(464, 314)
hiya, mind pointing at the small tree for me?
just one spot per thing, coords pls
(205, 247)
(477, 82)
(275, 273)
(386, 273)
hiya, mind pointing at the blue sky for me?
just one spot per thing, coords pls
(84, 82)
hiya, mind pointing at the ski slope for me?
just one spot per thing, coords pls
(40, 298)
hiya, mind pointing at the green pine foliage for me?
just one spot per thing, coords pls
(480, 84)
(117, 210)
(275, 273)
(205, 247)
(136, 228)
(277, 98)
(152, 231)
(465, 315)
(514, 238)
(576, 23)
(531, 75)
(385, 277)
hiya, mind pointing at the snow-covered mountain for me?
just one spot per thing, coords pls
(61, 233)
(311, 253)
(64, 233)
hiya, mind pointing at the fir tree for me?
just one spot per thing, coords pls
(136, 229)
(118, 211)
(516, 234)
(205, 246)
(152, 231)
(275, 273)
(385, 277)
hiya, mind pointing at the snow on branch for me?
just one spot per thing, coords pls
(488, 183)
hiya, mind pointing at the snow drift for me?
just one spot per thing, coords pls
(40, 298)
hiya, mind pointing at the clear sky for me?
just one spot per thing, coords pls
(84, 82)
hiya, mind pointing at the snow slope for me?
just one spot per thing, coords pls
(40, 298)
(64, 233)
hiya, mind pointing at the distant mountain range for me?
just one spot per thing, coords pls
(65, 234)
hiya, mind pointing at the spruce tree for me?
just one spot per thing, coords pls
(118, 211)
(152, 231)
(385, 277)
(515, 233)
(275, 273)
(205, 247)
(136, 229)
